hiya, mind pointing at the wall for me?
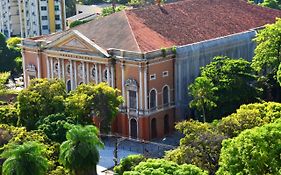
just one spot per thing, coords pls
(191, 57)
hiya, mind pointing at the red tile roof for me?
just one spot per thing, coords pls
(178, 23)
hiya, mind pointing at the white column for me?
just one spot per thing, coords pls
(112, 77)
(24, 71)
(71, 74)
(38, 66)
(48, 67)
(88, 75)
(63, 71)
(59, 69)
(96, 73)
(108, 75)
(123, 81)
(52, 68)
(100, 73)
(84, 75)
(75, 74)
(140, 90)
(145, 88)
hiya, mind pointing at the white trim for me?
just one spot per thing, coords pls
(84, 75)
(123, 81)
(112, 77)
(152, 77)
(48, 67)
(75, 74)
(59, 68)
(52, 67)
(87, 70)
(140, 89)
(165, 72)
(38, 66)
(145, 88)
(100, 73)
(71, 74)
(63, 70)
(24, 71)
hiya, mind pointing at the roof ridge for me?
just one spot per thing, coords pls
(132, 32)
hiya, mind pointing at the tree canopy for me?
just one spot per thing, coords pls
(80, 152)
(42, 98)
(254, 151)
(161, 167)
(267, 59)
(202, 91)
(25, 159)
(228, 83)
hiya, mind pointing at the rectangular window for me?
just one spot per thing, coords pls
(57, 17)
(165, 74)
(153, 77)
(43, 8)
(57, 8)
(44, 17)
(58, 27)
(45, 27)
(133, 99)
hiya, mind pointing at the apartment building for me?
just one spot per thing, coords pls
(29, 18)
(9, 18)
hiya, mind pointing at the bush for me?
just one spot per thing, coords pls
(128, 163)
(254, 151)
(161, 166)
(77, 23)
(9, 115)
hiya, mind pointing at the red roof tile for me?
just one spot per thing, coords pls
(178, 23)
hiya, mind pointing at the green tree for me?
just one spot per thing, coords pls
(25, 159)
(109, 10)
(234, 81)
(202, 91)
(77, 23)
(54, 126)
(254, 151)
(80, 152)
(200, 146)
(128, 163)
(101, 99)
(13, 42)
(42, 98)
(279, 74)
(267, 59)
(161, 166)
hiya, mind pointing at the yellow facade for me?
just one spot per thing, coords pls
(52, 16)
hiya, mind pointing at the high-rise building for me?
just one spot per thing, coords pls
(28, 18)
(9, 18)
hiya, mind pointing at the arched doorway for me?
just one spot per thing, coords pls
(133, 128)
(166, 124)
(153, 128)
(68, 86)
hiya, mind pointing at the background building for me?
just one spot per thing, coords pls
(9, 18)
(28, 18)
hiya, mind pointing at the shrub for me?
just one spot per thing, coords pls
(128, 163)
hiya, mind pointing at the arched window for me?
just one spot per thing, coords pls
(68, 86)
(166, 96)
(68, 69)
(133, 128)
(152, 100)
(80, 69)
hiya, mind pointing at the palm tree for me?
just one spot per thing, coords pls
(25, 159)
(79, 153)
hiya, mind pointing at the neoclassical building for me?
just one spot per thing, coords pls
(133, 51)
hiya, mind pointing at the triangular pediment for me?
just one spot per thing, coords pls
(74, 40)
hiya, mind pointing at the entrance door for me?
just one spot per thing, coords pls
(153, 128)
